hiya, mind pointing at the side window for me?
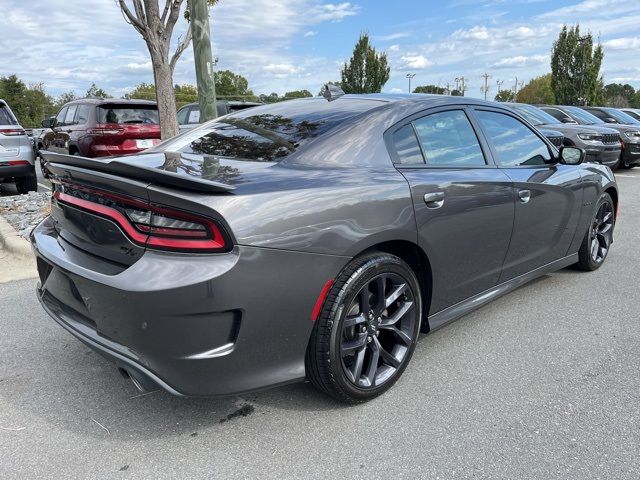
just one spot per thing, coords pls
(598, 113)
(447, 138)
(407, 147)
(182, 115)
(61, 115)
(83, 114)
(514, 142)
(557, 114)
(71, 113)
(194, 115)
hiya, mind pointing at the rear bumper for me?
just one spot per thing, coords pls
(194, 325)
(14, 171)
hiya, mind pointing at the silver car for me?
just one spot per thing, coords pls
(17, 158)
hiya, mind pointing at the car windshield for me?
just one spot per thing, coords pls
(5, 116)
(534, 115)
(584, 117)
(126, 114)
(267, 133)
(621, 117)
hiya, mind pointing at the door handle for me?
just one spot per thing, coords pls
(434, 200)
(524, 195)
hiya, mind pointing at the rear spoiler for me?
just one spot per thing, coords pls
(136, 172)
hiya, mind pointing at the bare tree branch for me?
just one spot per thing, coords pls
(165, 11)
(182, 46)
(140, 13)
(174, 14)
(131, 18)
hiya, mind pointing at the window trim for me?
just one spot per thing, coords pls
(494, 152)
(395, 159)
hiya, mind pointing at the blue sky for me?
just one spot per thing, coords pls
(282, 45)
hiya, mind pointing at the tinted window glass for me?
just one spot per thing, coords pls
(60, 117)
(621, 117)
(407, 147)
(182, 115)
(270, 132)
(5, 116)
(632, 114)
(83, 114)
(71, 113)
(582, 116)
(600, 114)
(447, 138)
(514, 142)
(534, 115)
(557, 114)
(123, 114)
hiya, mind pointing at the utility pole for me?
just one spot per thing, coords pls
(448, 90)
(410, 76)
(485, 89)
(461, 84)
(582, 42)
(199, 17)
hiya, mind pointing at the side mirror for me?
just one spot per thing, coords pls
(567, 120)
(49, 122)
(572, 155)
(610, 120)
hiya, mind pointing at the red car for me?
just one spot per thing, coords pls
(103, 127)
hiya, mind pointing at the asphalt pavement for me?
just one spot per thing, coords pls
(543, 383)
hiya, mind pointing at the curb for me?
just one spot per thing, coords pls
(12, 242)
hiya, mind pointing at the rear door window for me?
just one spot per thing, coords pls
(61, 115)
(182, 115)
(514, 142)
(127, 114)
(69, 118)
(407, 147)
(83, 114)
(6, 118)
(448, 139)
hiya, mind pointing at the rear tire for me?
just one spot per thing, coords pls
(367, 330)
(599, 236)
(27, 184)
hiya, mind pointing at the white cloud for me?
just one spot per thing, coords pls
(416, 61)
(521, 61)
(310, 33)
(394, 48)
(625, 43)
(392, 36)
(396, 90)
(335, 12)
(140, 66)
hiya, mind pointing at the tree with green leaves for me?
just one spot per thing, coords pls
(96, 92)
(298, 94)
(30, 104)
(505, 95)
(575, 68)
(433, 89)
(232, 86)
(273, 97)
(367, 71)
(156, 26)
(538, 90)
(618, 95)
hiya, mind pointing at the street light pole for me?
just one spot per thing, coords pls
(410, 76)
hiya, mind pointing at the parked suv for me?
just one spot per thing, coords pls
(189, 115)
(629, 134)
(632, 112)
(17, 160)
(601, 144)
(103, 127)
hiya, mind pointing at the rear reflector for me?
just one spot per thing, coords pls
(12, 132)
(148, 225)
(13, 163)
(320, 301)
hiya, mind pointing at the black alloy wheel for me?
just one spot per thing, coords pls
(599, 237)
(368, 329)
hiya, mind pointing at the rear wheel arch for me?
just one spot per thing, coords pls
(418, 261)
(613, 193)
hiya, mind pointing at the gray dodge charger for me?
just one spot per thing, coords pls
(311, 239)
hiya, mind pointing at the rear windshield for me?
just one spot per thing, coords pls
(5, 116)
(126, 114)
(267, 133)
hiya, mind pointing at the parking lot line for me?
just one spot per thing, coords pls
(44, 186)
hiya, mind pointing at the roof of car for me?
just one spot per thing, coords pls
(99, 101)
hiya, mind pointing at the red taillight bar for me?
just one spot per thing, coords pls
(11, 132)
(150, 238)
(15, 162)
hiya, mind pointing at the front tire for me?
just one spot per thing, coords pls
(367, 330)
(599, 236)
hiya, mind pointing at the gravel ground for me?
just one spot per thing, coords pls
(543, 383)
(24, 212)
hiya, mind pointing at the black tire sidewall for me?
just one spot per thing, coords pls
(375, 266)
(593, 265)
